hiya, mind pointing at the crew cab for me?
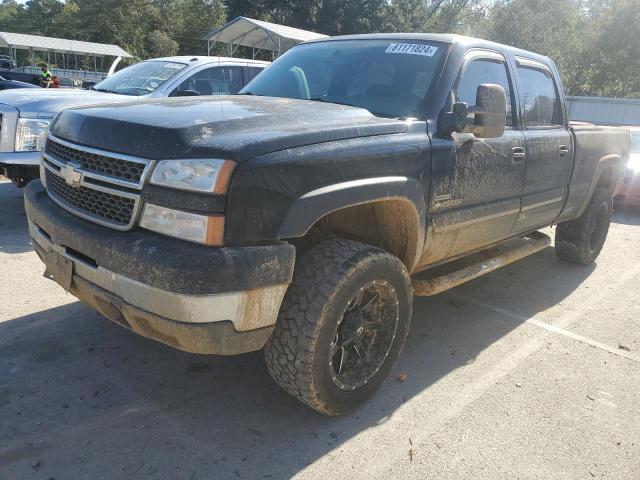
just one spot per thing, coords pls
(25, 116)
(301, 216)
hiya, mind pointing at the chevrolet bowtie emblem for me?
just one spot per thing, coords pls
(72, 174)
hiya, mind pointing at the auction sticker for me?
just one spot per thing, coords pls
(412, 49)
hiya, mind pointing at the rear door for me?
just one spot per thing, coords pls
(549, 149)
(477, 201)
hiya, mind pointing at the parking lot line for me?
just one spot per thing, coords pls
(569, 318)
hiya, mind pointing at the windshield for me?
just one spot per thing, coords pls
(140, 79)
(635, 142)
(388, 78)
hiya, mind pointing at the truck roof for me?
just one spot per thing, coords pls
(443, 38)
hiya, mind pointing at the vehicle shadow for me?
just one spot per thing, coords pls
(82, 397)
(14, 234)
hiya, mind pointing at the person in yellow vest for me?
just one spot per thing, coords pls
(47, 78)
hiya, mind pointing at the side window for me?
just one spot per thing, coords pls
(214, 81)
(540, 98)
(252, 72)
(482, 71)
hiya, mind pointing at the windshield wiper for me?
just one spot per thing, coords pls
(104, 90)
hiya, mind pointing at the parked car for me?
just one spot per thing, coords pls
(29, 78)
(7, 84)
(629, 188)
(7, 62)
(27, 116)
(302, 215)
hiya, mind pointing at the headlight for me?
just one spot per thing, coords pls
(187, 226)
(196, 175)
(31, 134)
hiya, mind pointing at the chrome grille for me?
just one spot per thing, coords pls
(94, 162)
(101, 205)
(99, 186)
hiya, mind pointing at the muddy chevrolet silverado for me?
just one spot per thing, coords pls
(302, 216)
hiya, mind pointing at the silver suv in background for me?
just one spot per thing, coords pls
(25, 116)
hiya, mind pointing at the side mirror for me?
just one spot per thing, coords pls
(457, 120)
(490, 114)
(186, 93)
(490, 111)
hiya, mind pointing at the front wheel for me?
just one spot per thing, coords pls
(342, 325)
(581, 240)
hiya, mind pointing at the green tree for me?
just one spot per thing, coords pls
(37, 17)
(450, 16)
(613, 55)
(9, 10)
(159, 44)
(555, 28)
(188, 21)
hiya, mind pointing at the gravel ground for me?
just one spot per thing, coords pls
(532, 372)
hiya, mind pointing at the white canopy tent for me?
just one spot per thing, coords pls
(67, 49)
(258, 35)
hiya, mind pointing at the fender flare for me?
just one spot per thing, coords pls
(316, 204)
(608, 162)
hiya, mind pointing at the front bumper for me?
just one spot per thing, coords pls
(193, 297)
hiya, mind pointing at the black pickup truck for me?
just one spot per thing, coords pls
(303, 215)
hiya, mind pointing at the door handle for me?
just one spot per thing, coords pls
(563, 150)
(518, 154)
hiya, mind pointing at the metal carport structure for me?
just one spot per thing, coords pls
(259, 36)
(68, 49)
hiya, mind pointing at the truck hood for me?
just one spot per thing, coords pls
(234, 127)
(47, 102)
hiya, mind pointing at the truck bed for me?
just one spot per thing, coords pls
(595, 147)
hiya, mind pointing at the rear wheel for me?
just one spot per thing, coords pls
(342, 325)
(581, 240)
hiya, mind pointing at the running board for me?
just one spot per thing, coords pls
(450, 275)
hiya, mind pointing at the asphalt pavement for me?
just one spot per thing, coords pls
(532, 372)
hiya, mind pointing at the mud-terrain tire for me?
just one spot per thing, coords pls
(581, 240)
(317, 319)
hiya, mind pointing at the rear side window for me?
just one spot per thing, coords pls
(253, 72)
(482, 71)
(540, 98)
(214, 81)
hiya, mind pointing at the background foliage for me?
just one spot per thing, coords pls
(596, 43)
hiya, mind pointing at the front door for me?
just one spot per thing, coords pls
(476, 183)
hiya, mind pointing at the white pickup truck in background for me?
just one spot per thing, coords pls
(25, 115)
